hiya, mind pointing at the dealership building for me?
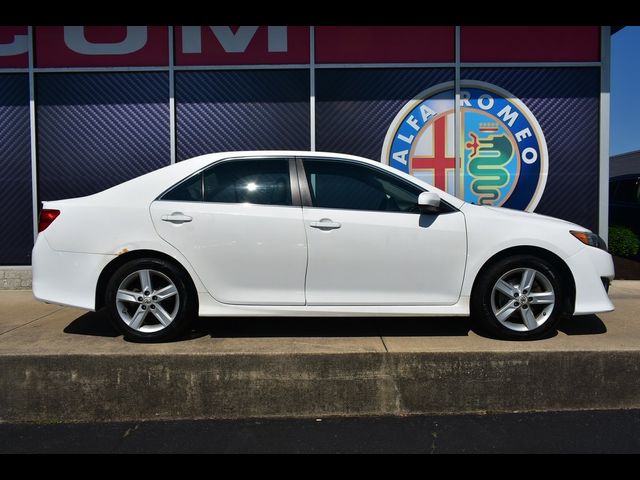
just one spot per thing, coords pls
(509, 116)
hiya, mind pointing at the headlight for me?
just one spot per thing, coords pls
(589, 238)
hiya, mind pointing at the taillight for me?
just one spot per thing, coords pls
(46, 218)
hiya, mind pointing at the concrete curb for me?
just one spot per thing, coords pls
(15, 278)
(77, 388)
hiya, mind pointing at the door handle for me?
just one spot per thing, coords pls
(176, 217)
(325, 224)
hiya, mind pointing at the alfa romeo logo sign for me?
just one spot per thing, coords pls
(503, 153)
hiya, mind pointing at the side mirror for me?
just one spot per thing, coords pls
(429, 202)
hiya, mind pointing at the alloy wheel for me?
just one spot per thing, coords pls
(147, 301)
(523, 299)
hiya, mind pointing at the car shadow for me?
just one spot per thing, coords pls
(583, 325)
(246, 327)
(98, 324)
(95, 324)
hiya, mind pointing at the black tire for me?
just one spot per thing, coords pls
(481, 298)
(183, 306)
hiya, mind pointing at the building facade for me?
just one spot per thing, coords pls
(625, 164)
(507, 116)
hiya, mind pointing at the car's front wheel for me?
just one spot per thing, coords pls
(521, 297)
(150, 300)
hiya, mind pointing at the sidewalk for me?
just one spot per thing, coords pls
(61, 363)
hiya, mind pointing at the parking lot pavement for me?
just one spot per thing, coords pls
(19, 308)
(31, 327)
(68, 365)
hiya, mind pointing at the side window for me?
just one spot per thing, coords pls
(335, 184)
(613, 186)
(262, 181)
(628, 191)
(188, 191)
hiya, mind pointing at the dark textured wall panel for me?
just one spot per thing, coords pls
(354, 108)
(241, 110)
(96, 130)
(565, 102)
(16, 223)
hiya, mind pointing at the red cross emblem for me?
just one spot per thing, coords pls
(439, 163)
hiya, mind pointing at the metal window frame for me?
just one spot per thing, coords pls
(172, 100)
(604, 64)
(312, 88)
(303, 66)
(457, 117)
(605, 93)
(32, 134)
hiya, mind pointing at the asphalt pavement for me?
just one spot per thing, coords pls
(616, 431)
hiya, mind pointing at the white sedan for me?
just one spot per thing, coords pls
(310, 234)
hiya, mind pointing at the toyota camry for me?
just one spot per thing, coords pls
(289, 233)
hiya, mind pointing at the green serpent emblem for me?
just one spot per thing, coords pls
(487, 162)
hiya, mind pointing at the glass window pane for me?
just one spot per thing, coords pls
(613, 186)
(188, 191)
(628, 191)
(261, 181)
(335, 184)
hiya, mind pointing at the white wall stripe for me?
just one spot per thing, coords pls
(312, 88)
(289, 66)
(385, 65)
(528, 64)
(172, 101)
(302, 66)
(458, 122)
(32, 131)
(98, 69)
(605, 89)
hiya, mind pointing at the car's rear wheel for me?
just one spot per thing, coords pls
(150, 300)
(520, 297)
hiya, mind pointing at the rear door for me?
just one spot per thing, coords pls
(239, 223)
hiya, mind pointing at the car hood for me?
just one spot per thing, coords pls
(515, 215)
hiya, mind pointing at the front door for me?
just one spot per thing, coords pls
(368, 244)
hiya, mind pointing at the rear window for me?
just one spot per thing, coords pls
(257, 181)
(188, 191)
(262, 182)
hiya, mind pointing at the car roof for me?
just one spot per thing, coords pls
(148, 187)
(211, 157)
